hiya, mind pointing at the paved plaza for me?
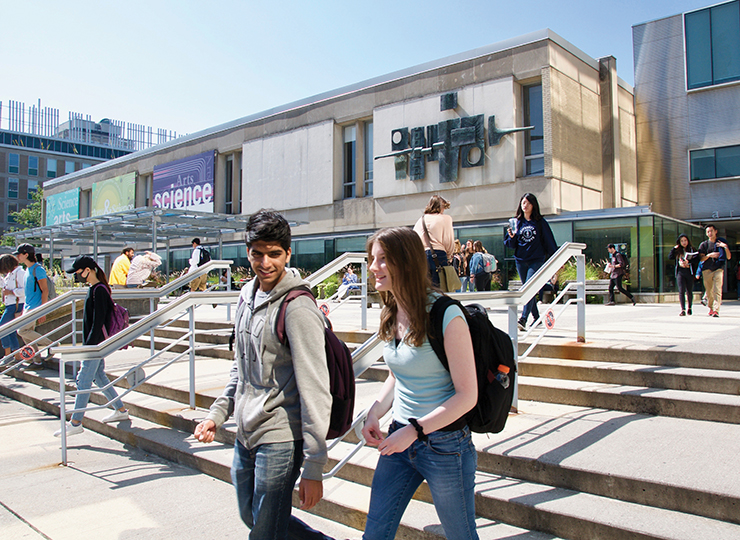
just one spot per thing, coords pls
(113, 490)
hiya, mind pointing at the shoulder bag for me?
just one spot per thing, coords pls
(449, 281)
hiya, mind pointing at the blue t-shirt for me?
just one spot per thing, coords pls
(422, 382)
(33, 297)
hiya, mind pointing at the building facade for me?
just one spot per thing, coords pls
(35, 147)
(687, 102)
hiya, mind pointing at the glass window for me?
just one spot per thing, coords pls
(534, 140)
(369, 161)
(12, 207)
(713, 45)
(14, 163)
(69, 167)
(346, 244)
(85, 165)
(12, 188)
(33, 187)
(348, 176)
(51, 168)
(33, 166)
(229, 185)
(712, 163)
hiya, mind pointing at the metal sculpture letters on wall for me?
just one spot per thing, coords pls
(448, 142)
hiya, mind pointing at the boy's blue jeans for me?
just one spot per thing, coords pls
(447, 461)
(264, 478)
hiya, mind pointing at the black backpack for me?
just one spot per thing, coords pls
(491, 347)
(339, 362)
(205, 256)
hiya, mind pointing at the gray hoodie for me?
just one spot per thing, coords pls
(279, 393)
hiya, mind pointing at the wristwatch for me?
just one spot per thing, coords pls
(419, 430)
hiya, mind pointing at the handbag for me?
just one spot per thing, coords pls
(449, 281)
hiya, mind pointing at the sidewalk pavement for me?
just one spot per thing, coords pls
(111, 490)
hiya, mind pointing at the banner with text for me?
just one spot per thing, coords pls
(185, 184)
(63, 207)
(117, 194)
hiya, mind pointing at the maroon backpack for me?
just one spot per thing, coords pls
(339, 362)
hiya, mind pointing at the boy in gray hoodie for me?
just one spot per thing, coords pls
(279, 394)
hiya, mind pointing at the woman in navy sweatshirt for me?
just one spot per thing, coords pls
(532, 242)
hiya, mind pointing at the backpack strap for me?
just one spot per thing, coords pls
(300, 290)
(436, 335)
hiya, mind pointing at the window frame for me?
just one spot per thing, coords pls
(48, 170)
(714, 164)
(349, 162)
(735, 79)
(14, 169)
(17, 188)
(526, 117)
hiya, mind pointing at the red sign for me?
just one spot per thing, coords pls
(549, 319)
(324, 309)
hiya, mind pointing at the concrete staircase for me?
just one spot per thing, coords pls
(585, 457)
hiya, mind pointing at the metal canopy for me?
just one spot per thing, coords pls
(137, 226)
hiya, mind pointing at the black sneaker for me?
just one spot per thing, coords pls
(522, 324)
(682, 314)
(715, 314)
(34, 366)
(689, 312)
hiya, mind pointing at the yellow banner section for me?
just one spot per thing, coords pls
(116, 194)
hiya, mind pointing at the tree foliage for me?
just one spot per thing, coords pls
(26, 218)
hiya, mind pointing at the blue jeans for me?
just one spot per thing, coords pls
(465, 281)
(11, 340)
(526, 270)
(264, 478)
(447, 461)
(93, 371)
(441, 259)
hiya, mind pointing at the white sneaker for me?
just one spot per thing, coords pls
(71, 430)
(116, 416)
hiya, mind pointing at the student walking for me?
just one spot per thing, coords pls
(478, 275)
(618, 266)
(532, 240)
(279, 393)
(36, 294)
(97, 312)
(428, 438)
(434, 228)
(686, 258)
(14, 295)
(714, 254)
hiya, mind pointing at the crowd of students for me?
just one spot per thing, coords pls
(279, 391)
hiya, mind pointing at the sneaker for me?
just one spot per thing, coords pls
(522, 324)
(35, 366)
(703, 301)
(634, 302)
(116, 416)
(682, 314)
(71, 430)
(711, 313)
(690, 311)
(715, 314)
(610, 304)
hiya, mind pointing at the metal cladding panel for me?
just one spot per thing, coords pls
(714, 117)
(710, 197)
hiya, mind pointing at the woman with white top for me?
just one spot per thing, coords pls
(13, 297)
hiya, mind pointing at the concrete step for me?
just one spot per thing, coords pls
(629, 353)
(639, 399)
(631, 374)
(213, 350)
(559, 511)
(215, 460)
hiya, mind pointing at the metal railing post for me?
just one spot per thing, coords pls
(513, 334)
(63, 410)
(228, 288)
(581, 307)
(151, 332)
(363, 297)
(191, 327)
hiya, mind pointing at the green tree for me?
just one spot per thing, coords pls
(26, 218)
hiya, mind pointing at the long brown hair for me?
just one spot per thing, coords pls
(407, 265)
(8, 263)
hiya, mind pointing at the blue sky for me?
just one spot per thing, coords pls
(188, 65)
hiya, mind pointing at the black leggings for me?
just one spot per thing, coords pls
(685, 288)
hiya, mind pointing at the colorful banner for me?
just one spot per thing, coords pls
(63, 207)
(116, 194)
(185, 184)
